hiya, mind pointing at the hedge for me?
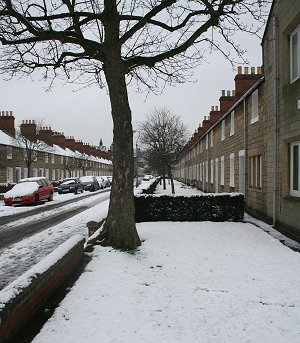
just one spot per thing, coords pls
(207, 207)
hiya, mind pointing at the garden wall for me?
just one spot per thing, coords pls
(22, 298)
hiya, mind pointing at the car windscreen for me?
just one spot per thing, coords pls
(67, 182)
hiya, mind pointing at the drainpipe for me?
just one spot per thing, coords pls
(246, 152)
(275, 129)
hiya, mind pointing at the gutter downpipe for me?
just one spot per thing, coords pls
(275, 132)
(246, 153)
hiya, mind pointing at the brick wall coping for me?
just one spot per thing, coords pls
(11, 291)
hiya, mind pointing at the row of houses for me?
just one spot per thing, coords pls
(40, 151)
(250, 142)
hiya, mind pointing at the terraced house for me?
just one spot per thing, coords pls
(250, 143)
(43, 152)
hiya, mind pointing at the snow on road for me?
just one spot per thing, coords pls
(19, 257)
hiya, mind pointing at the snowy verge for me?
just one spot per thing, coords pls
(24, 296)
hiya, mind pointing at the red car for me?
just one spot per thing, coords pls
(30, 191)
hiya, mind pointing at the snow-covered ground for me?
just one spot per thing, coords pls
(189, 282)
(19, 257)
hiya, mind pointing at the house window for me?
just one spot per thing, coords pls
(206, 141)
(201, 146)
(52, 159)
(295, 54)
(9, 152)
(41, 171)
(211, 171)
(256, 171)
(212, 138)
(222, 171)
(25, 173)
(46, 157)
(53, 175)
(61, 159)
(9, 175)
(295, 169)
(231, 171)
(34, 156)
(200, 171)
(18, 173)
(35, 172)
(206, 171)
(232, 123)
(254, 110)
(47, 173)
(223, 130)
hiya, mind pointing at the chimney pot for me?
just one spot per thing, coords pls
(228, 93)
(223, 92)
(252, 70)
(246, 70)
(239, 70)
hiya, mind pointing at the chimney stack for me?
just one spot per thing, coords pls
(7, 122)
(79, 146)
(28, 129)
(244, 81)
(70, 143)
(226, 100)
(59, 139)
(45, 134)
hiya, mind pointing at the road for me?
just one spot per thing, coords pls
(27, 237)
(14, 227)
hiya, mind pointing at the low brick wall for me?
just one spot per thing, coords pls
(21, 299)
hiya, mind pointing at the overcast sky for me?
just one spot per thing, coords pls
(85, 114)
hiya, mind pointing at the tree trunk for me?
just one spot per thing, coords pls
(172, 181)
(119, 229)
(164, 179)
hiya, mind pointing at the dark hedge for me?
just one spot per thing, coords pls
(210, 207)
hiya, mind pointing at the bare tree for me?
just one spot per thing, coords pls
(164, 134)
(30, 145)
(113, 43)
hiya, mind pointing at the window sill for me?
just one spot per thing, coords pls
(294, 198)
(254, 120)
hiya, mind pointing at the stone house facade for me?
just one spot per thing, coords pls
(250, 143)
(53, 155)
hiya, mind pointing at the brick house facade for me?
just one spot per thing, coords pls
(54, 155)
(250, 143)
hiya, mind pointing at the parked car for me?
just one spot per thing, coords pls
(101, 181)
(107, 182)
(70, 185)
(110, 179)
(30, 191)
(90, 183)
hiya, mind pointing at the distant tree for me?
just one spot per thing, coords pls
(164, 134)
(71, 164)
(30, 145)
(147, 41)
(83, 162)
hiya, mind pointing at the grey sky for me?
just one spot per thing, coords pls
(85, 114)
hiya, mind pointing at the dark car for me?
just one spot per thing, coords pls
(70, 185)
(30, 191)
(90, 183)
